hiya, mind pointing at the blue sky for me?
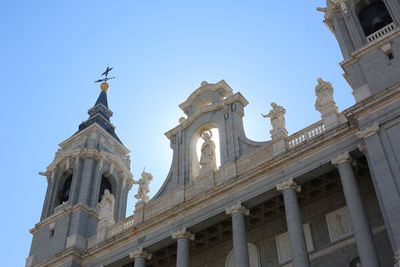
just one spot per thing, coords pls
(52, 51)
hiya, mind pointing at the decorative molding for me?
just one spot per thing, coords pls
(238, 207)
(183, 233)
(370, 131)
(342, 158)
(288, 184)
(140, 253)
(363, 148)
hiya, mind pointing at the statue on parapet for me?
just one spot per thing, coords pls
(277, 117)
(144, 187)
(326, 105)
(107, 207)
(324, 93)
(208, 160)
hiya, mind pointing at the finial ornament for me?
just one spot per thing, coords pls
(104, 85)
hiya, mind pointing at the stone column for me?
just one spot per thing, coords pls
(183, 238)
(75, 181)
(140, 256)
(48, 203)
(385, 184)
(240, 250)
(362, 232)
(297, 241)
(96, 183)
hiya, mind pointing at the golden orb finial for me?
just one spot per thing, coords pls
(104, 86)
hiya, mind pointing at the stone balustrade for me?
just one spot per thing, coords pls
(378, 34)
(61, 207)
(122, 226)
(306, 134)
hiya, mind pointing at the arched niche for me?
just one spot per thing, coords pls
(107, 182)
(198, 147)
(373, 15)
(64, 188)
(254, 257)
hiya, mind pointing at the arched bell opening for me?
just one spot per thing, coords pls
(206, 152)
(106, 184)
(373, 16)
(64, 189)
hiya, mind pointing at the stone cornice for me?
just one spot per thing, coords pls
(140, 253)
(237, 97)
(342, 158)
(370, 131)
(96, 154)
(68, 210)
(288, 184)
(183, 233)
(237, 208)
(91, 128)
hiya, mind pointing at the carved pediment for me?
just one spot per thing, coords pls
(206, 95)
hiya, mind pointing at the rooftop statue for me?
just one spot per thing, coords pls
(208, 160)
(107, 207)
(324, 93)
(277, 117)
(144, 189)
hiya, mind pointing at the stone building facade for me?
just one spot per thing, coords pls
(328, 195)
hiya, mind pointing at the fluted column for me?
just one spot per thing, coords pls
(140, 256)
(240, 250)
(183, 238)
(362, 232)
(297, 241)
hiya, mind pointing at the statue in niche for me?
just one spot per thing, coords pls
(144, 189)
(208, 160)
(277, 117)
(107, 207)
(324, 93)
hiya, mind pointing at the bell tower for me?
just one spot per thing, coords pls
(368, 32)
(87, 164)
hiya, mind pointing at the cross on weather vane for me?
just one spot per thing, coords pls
(104, 85)
(108, 69)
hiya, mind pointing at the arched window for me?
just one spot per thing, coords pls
(105, 184)
(64, 190)
(374, 16)
(254, 257)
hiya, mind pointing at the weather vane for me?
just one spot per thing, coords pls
(104, 85)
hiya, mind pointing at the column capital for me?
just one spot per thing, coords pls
(140, 253)
(288, 184)
(342, 158)
(237, 208)
(373, 129)
(183, 233)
